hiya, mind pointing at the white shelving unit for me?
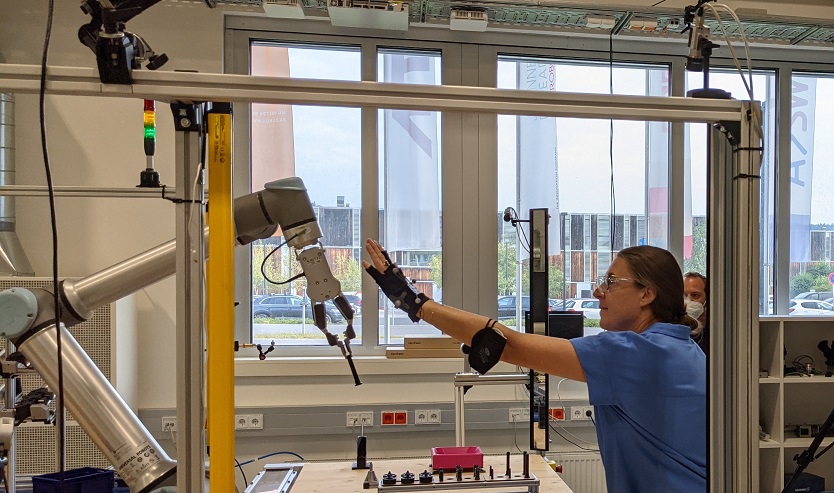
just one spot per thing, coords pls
(787, 401)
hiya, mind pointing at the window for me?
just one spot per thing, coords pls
(409, 188)
(695, 175)
(321, 146)
(812, 172)
(564, 164)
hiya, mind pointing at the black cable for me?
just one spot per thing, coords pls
(611, 141)
(526, 243)
(272, 454)
(245, 481)
(572, 442)
(592, 420)
(519, 231)
(263, 265)
(54, 223)
(658, 3)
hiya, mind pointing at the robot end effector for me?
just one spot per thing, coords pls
(285, 203)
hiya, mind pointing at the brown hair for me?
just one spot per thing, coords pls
(656, 268)
(700, 276)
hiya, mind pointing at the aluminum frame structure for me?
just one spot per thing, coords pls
(732, 202)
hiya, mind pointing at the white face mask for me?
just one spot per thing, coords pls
(694, 308)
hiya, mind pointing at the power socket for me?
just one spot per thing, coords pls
(169, 424)
(577, 413)
(427, 416)
(519, 414)
(581, 413)
(241, 421)
(361, 418)
(255, 421)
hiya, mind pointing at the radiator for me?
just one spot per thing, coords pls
(583, 473)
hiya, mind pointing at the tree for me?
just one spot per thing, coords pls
(507, 279)
(819, 269)
(260, 250)
(555, 283)
(436, 266)
(698, 261)
(801, 283)
(347, 271)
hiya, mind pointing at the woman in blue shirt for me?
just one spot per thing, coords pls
(646, 377)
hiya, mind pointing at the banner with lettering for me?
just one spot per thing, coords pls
(803, 105)
(538, 156)
(412, 162)
(657, 172)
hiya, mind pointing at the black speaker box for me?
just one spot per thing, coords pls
(806, 483)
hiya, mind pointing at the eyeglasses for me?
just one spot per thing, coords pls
(604, 282)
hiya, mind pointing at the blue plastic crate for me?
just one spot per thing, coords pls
(82, 480)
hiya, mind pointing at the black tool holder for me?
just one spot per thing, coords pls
(807, 456)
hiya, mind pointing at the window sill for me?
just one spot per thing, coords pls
(365, 365)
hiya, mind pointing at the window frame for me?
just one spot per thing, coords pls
(470, 59)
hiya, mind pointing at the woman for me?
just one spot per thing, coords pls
(646, 377)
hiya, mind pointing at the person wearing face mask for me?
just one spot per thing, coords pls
(695, 295)
(645, 376)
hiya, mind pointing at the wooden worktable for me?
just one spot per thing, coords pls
(338, 477)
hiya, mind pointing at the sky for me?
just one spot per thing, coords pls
(327, 140)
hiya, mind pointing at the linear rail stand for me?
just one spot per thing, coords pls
(465, 380)
(734, 437)
(520, 483)
(275, 478)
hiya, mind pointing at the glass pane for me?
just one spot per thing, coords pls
(409, 193)
(695, 177)
(321, 146)
(812, 201)
(564, 164)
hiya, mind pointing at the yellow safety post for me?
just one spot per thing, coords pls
(220, 302)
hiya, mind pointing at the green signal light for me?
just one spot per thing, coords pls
(150, 132)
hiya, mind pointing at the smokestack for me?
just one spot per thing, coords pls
(13, 260)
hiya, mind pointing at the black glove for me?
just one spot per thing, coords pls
(398, 288)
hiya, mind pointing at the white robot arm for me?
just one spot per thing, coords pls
(27, 318)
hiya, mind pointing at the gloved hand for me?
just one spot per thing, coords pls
(390, 278)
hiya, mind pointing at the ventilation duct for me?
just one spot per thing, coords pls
(13, 260)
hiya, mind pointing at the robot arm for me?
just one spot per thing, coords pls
(285, 203)
(258, 215)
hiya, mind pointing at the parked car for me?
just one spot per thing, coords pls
(507, 304)
(588, 306)
(355, 300)
(813, 295)
(291, 306)
(809, 307)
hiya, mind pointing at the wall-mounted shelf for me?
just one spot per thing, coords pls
(787, 401)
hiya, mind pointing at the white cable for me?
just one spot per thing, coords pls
(559, 395)
(748, 87)
(746, 44)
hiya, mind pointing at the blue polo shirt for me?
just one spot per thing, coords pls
(649, 396)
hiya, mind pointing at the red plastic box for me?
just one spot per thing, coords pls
(448, 458)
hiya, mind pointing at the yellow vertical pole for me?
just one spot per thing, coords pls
(220, 302)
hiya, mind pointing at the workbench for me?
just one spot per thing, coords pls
(339, 477)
